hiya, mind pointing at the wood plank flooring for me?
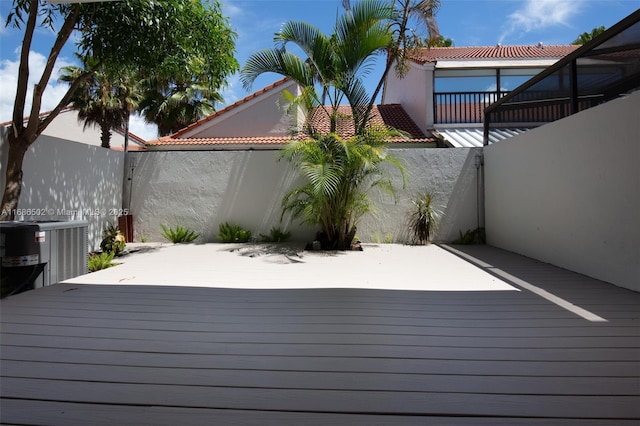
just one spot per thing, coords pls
(103, 355)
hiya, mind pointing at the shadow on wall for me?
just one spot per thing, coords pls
(449, 174)
(253, 197)
(464, 210)
(201, 190)
(66, 180)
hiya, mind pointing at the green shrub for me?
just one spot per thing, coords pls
(100, 261)
(233, 233)
(423, 219)
(113, 240)
(179, 235)
(477, 236)
(276, 235)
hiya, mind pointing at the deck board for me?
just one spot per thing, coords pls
(180, 355)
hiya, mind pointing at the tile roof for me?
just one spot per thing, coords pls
(539, 51)
(248, 140)
(391, 115)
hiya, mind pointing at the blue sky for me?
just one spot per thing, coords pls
(467, 22)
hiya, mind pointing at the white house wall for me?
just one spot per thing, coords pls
(66, 126)
(257, 117)
(65, 180)
(568, 193)
(413, 92)
(203, 189)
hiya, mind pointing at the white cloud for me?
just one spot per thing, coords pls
(139, 127)
(535, 15)
(231, 10)
(54, 90)
(233, 91)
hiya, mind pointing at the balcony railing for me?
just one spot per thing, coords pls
(462, 107)
(468, 107)
(603, 69)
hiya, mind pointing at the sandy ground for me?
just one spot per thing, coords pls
(385, 266)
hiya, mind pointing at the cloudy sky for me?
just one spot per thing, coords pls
(467, 22)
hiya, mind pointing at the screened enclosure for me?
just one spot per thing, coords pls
(605, 68)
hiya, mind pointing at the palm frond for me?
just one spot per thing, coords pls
(276, 61)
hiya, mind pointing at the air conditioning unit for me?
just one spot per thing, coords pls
(64, 246)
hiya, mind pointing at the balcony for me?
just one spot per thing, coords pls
(462, 107)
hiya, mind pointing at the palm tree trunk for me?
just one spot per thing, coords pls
(105, 135)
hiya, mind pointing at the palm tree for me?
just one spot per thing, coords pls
(587, 37)
(336, 63)
(409, 19)
(106, 99)
(172, 104)
(439, 41)
(339, 173)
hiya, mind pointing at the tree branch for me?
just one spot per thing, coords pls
(34, 127)
(65, 99)
(23, 70)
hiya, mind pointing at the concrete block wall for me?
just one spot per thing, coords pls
(203, 189)
(568, 193)
(65, 180)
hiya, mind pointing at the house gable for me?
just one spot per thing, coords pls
(256, 115)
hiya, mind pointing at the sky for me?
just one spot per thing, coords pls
(466, 22)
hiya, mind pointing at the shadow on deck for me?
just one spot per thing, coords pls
(104, 354)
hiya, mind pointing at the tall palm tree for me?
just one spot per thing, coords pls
(173, 104)
(336, 63)
(338, 171)
(106, 99)
(410, 19)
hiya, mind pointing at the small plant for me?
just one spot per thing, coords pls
(233, 233)
(113, 240)
(276, 235)
(378, 238)
(144, 239)
(100, 261)
(179, 235)
(423, 219)
(477, 236)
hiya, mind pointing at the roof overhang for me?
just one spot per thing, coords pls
(494, 63)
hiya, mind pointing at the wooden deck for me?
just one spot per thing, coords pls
(104, 355)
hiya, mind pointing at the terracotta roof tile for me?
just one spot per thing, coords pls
(391, 115)
(260, 140)
(435, 54)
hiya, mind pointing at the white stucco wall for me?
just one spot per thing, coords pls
(568, 193)
(65, 180)
(66, 126)
(259, 116)
(414, 91)
(203, 189)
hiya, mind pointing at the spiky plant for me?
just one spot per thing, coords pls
(179, 235)
(423, 218)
